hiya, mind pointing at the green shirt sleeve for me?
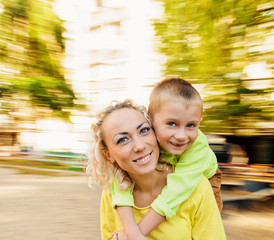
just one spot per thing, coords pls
(197, 161)
(120, 198)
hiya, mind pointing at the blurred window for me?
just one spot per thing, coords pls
(109, 71)
(111, 3)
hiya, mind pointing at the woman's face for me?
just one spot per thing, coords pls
(130, 141)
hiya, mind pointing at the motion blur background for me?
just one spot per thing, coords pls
(62, 61)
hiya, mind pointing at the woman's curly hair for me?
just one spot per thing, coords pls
(99, 169)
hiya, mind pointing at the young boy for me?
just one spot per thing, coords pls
(175, 109)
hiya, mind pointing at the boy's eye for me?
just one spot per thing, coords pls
(172, 124)
(191, 125)
(144, 130)
(122, 140)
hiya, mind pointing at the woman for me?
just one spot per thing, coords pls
(125, 148)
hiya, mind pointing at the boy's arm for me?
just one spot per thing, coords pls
(196, 161)
(123, 200)
(215, 182)
(128, 221)
(150, 221)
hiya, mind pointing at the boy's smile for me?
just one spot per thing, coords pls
(176, 125)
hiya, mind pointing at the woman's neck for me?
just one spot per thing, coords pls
(148, 187)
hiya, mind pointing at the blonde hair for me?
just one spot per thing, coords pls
(99, 169)
(171, 89)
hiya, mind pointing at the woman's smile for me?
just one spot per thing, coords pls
(143, 160)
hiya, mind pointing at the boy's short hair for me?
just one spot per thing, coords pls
(172, 89)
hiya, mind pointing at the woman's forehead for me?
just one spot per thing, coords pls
(123, 118)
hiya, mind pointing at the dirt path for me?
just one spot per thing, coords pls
(34, 207)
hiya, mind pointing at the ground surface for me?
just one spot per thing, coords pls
(44, 207)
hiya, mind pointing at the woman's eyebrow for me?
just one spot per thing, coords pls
(140, 125)
(122, 133)
(125, 133)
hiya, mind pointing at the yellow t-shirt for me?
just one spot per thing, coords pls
(197, 218)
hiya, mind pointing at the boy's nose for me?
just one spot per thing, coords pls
(181, 134)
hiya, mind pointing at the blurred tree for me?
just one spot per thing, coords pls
(31, 49)
(211, 42)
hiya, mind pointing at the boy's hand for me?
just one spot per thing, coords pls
(121, 235)
(150, 221)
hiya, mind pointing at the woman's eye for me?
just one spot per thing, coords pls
(144, 130)
(172, 124)
(122, 140)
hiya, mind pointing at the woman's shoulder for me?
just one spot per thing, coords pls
(106, 196)
(204, 184)
(202, 193)
(203, 190)
(202, 200)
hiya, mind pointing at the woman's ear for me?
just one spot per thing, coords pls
(109, 157)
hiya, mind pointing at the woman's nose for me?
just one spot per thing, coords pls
(139, 145)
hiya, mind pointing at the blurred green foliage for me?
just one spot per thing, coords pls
(210, 42)
(31, 50)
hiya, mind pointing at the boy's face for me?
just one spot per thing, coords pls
(176, 125)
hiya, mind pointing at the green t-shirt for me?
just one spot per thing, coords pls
(194, 163)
